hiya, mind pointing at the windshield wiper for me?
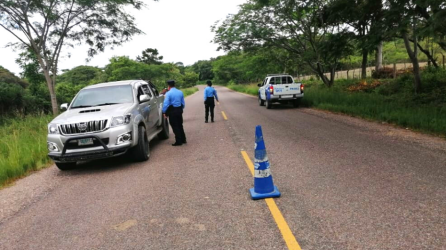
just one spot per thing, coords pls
(81, 106)
(107, 103)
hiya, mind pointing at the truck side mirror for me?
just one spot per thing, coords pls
(144, 98)
(64, 106)
(258, 85)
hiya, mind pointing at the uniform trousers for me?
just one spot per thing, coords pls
(176, 122)
(209, 105)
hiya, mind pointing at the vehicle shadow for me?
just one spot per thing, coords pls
(117, 163)
(283, 106)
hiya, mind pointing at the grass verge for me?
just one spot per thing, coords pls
(250, 89)
(22, 146)
(189, 91)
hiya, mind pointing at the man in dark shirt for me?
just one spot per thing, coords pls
(173, 108)
(209, 103)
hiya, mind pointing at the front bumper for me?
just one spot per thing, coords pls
(105, 145)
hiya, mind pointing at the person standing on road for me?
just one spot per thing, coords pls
(173, 108)
(209, 103)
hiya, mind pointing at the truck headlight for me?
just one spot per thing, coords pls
(53, 129)
(121, 120)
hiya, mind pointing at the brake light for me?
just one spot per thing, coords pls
(271, 89)
(302, 88)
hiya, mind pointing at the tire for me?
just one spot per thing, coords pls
(269, 104)
(261, 102)
(164, 134)
(66, 165)
(296, 103)
(141, 152)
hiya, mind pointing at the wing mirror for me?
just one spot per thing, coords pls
(144, 98)
(64, 106)
(259, 85)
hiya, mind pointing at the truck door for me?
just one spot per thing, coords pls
(144, 107)
(153, 116)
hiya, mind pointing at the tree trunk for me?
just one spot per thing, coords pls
(379, 56)
(50, 84)
(413, 57)
(365, 53)
(323, 77)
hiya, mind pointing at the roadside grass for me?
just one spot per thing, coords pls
(22, 146)
(189, 91)
(426, 118)
(250, 89)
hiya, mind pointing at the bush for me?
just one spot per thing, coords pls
(382, 73)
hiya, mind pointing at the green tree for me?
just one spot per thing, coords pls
(47, 26)
(204, 69)
(298, 27)
(150, 56)
(82, 75)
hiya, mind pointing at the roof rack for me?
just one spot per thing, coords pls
(277, 74)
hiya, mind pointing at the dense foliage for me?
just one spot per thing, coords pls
(29, 95)
(325, 35)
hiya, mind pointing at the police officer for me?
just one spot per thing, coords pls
(173, 108)
(209, 103)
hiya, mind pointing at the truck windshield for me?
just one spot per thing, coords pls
(102, 96)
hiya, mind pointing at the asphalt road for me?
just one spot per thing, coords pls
(345, 183)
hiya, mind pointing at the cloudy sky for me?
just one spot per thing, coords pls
(179, 29)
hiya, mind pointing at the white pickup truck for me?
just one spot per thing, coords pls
(280, 88)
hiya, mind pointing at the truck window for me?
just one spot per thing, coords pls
(146, 90)
(154, 90)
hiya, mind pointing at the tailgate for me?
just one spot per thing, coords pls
(287, 89)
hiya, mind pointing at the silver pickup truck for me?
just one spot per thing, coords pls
(280, 88)
(106, 120)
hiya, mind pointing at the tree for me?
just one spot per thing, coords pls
(204, 69)
(150, 56)
(365, 18)
(82, 75)
(47, 26)
(403, 21)
(298, 27)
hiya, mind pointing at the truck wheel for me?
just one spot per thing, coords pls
(261, 102)
(164, 134)
(269, 104)
(296, 103)
(66, 165)
(141, 152)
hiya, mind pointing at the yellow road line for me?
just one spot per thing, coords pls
(224, 115)
(287, 235)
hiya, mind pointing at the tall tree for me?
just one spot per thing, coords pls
(296, 26)
(47, 26)
(150, 56)
(365, 18)
(403, 19)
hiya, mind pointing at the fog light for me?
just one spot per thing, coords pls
(124, 138)
(52, 147)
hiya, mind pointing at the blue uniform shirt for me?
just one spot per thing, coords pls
(210, 92)
(175, 98)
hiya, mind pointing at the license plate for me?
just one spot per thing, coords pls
(287, 96)
(84, 142)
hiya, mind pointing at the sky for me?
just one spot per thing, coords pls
(179, 29)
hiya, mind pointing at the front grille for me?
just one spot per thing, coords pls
(83, 127)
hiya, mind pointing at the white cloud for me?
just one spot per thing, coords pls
(179, 29)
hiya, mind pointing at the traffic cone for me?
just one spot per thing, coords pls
(263, 180)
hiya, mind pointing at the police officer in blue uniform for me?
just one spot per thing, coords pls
(173, 108)
(209, 103)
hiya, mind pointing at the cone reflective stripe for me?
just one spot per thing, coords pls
(263, 180)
